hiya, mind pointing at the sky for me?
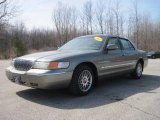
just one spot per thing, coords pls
(38, 13)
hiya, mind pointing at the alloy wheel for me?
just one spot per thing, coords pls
(139, 69)
(85, 80)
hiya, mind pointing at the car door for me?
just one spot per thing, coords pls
(129, 53)
(113, 59)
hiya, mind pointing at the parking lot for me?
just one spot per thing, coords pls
(120, 98)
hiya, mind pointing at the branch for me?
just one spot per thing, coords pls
(3, 2)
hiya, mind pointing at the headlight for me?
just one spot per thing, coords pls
(51, 65)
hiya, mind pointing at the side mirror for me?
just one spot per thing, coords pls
(112, 47)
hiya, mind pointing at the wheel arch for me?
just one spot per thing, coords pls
(142, 62)
(92, 66)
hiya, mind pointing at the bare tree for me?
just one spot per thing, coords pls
(100, 15)
(70, 22)
(109, 22)
(65, 19)
(6, 12)
(88, 16)
(82, 24)
(73, 27)
(3, 9)
(129, 27)
(146, 32)
(57, 19)
(136, 22)
(121, 25)
(116, 11)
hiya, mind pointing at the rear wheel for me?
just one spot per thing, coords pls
(82, 80)
(153, 57)
(137, 74)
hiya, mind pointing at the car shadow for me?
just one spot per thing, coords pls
(108, 91)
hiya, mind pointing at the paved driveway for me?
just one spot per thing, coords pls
(118, 98)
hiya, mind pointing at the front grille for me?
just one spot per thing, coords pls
(23, 65)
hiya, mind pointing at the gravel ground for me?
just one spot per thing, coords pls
(118, 98)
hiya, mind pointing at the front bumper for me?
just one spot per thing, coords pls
(36, 78)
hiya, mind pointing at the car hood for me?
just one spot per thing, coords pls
(54, 55)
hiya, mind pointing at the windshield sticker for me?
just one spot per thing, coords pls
(98, 39)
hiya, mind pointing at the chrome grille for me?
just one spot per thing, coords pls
(23, 65)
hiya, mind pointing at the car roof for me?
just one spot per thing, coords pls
(103, 35)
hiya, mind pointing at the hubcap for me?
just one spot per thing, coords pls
(85, 80)
(139, 70)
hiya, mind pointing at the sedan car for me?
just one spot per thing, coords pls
(153, 55)
(79, 64)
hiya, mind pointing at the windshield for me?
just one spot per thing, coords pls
(84, 43)
(151, 52)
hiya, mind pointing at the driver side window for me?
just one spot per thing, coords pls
(114, 41)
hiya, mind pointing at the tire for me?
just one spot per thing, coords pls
(137, 73)
(153, 57)
(80, 84)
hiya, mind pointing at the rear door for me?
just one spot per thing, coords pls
(129, 53)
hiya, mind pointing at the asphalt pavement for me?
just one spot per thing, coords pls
(120, 98)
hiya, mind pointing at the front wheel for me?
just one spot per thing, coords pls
(137, 74)
(82, 80)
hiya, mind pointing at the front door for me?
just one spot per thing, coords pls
(113, 59)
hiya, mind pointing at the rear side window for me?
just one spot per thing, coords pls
(127, 45)
(131, 45)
